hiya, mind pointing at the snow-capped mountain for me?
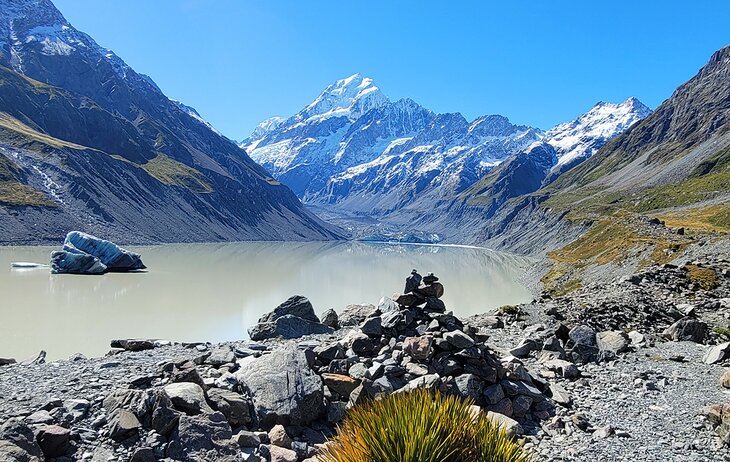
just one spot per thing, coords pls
(579, 139)
(98, 147)
(354, 150)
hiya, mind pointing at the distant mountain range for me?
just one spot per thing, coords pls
(354, 151)
(88, 143)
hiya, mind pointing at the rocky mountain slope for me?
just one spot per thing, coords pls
(579, 139)
(87, 143)
(655, 192)
(677, 156)
(353, 151)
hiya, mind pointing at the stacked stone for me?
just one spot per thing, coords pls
(411, 342)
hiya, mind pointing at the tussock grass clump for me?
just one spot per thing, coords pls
(510, 309)
(608, 240)
(420, 426)
(712, 219)
(171, 172)
(706, 278)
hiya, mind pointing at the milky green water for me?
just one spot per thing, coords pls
(214, 292)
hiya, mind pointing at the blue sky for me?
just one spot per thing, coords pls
(536, 62)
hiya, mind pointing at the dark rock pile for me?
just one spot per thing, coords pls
(653, 301)
(411, 342)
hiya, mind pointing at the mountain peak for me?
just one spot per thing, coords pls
(349, 97)
(602, 122)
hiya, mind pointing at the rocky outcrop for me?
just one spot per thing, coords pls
(18, 443)
(281, 399)
(285, 389)
(292, 319)
(287, 327)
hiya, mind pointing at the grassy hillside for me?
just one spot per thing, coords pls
(674, 165)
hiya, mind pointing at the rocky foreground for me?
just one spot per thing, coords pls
(631, 370)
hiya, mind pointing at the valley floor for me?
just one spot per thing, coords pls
(594, 392)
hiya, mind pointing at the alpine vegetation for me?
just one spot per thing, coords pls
(421, 426)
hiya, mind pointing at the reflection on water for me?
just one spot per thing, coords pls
(213, 292)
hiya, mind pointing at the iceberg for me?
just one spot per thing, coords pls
(86, 254)
(114, 257)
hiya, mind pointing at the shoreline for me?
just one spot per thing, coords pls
(662, 383)
(239, 305)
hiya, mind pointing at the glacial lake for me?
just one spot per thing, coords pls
(214, 292)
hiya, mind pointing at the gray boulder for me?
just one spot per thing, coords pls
(436, 305)
(387, 304)
(287, 327)
(717, 353)
(187, 397)
(63, 262)
(235, 407)
(54, 441)
(285, 390)
(523, 349)
(372, 326)
(511, 426)
(133, 344)
(612, 341)
(123, 424)
(297, 305)
(353, 315)
(205, 437)
(221, 355)
(330, 319)
(583, 344)
(111, 255)
(459, 339)
(689, 329)
(18, 443)
(469, 386)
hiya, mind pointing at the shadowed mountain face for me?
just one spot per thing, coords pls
(88, 143)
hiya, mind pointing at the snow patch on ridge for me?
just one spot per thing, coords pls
(583, 136)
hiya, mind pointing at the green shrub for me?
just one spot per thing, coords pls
(722, 331)
(420, 426)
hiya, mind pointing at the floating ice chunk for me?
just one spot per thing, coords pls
(111, 255)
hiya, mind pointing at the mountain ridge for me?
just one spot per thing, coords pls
(401, 158)
(74, 112)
